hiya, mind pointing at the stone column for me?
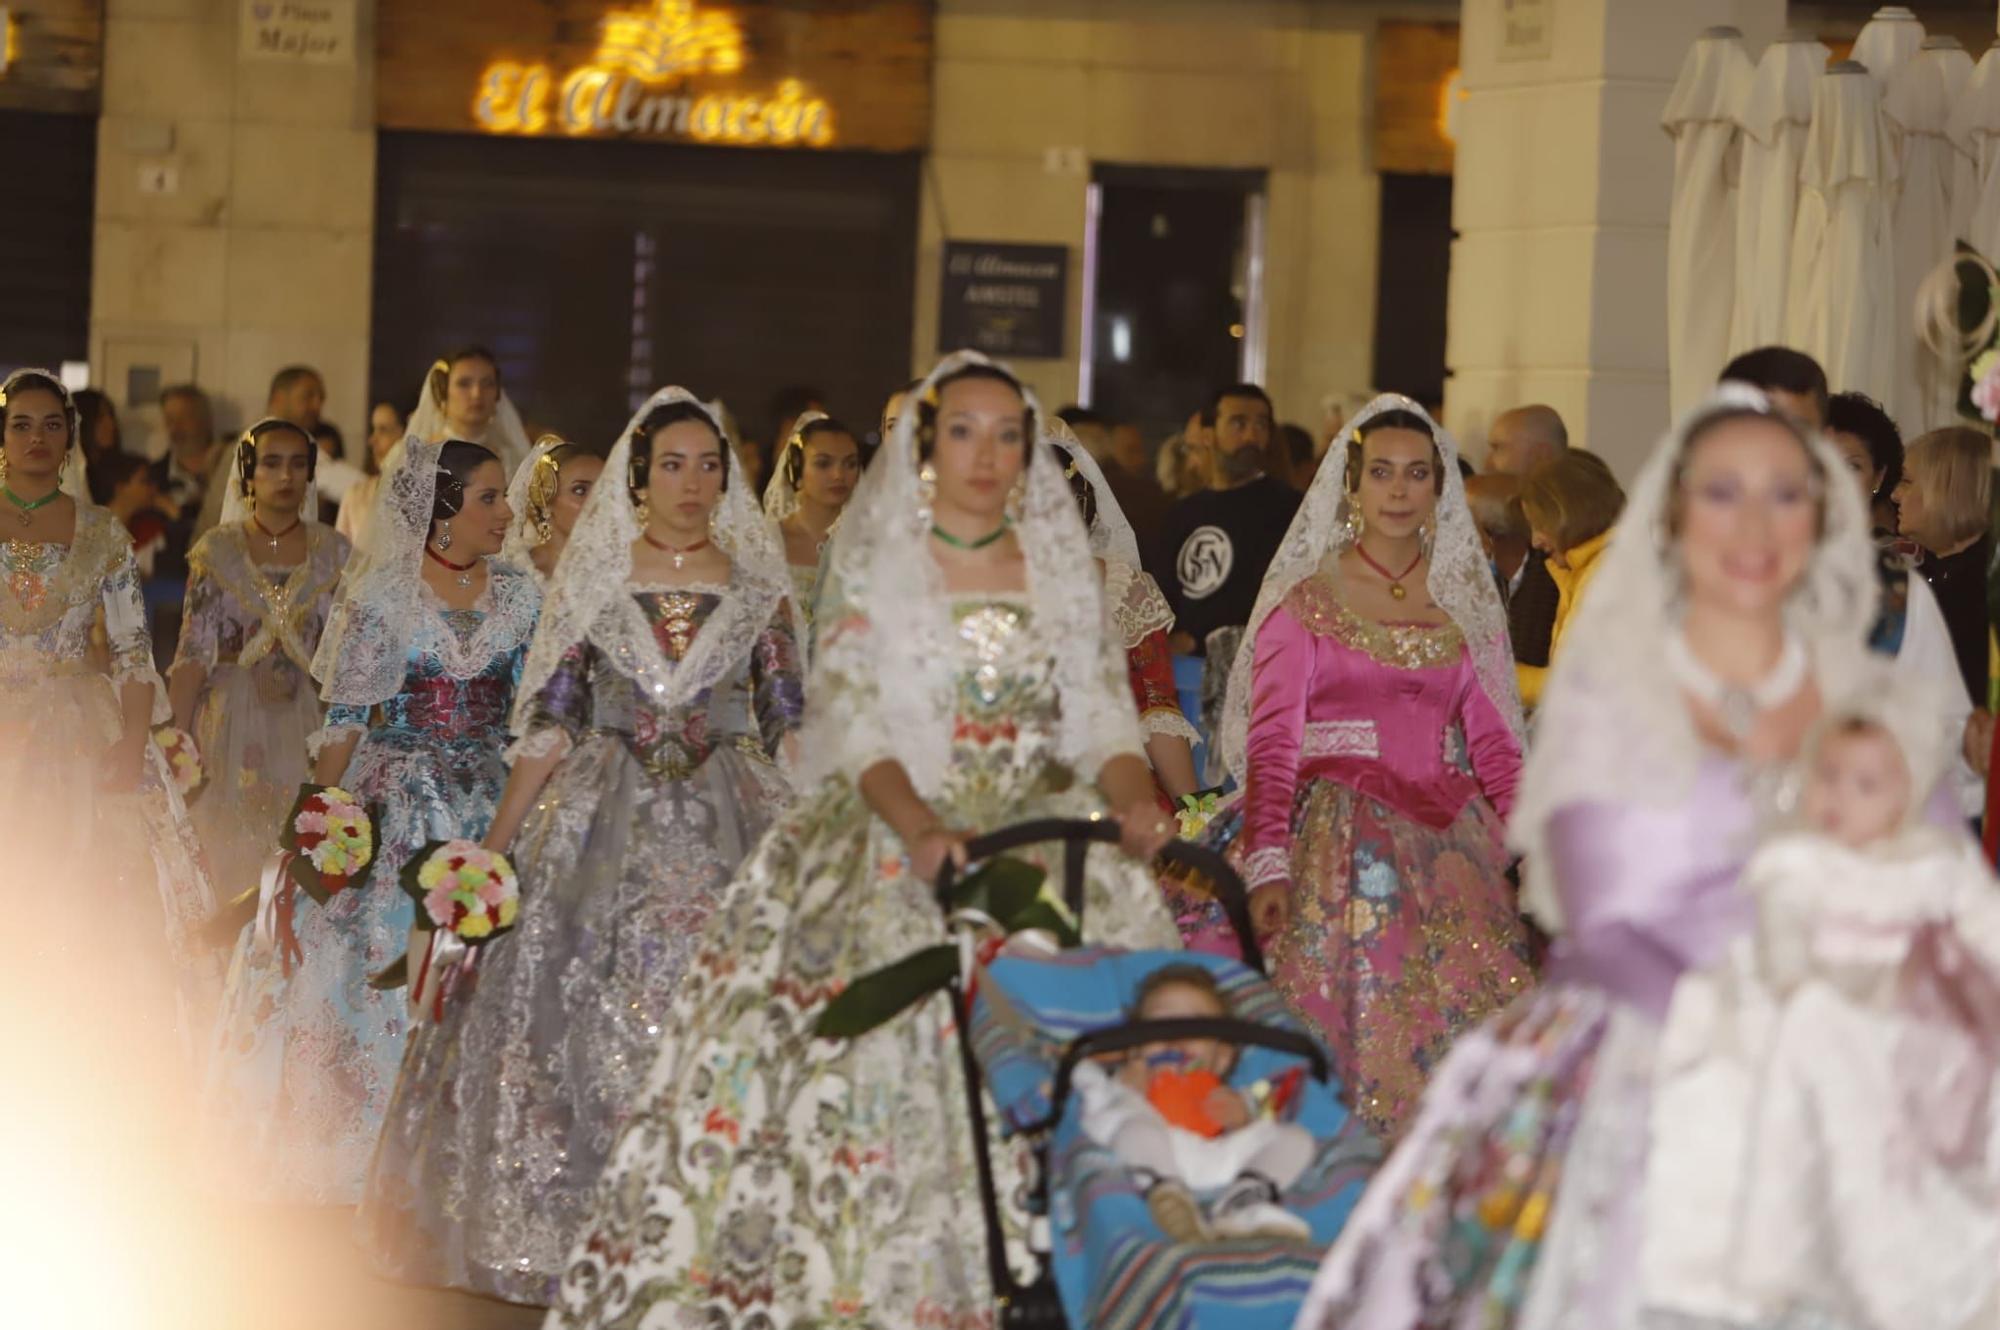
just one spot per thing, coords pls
(1564, 178)
(235, 214)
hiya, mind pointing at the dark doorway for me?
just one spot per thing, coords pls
(1413, 279)
(1174, 296)
(47, 233)
(598, 271)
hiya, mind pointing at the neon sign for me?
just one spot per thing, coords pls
(636, 83)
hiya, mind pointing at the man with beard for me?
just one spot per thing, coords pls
(1214, 546)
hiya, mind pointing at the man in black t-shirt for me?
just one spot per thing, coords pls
(1214, 546)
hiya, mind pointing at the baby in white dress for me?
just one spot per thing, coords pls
(1823, 1135)
(1230, 1148)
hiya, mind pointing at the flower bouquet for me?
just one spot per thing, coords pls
(183, 758)
(466, 896)
(326, 846)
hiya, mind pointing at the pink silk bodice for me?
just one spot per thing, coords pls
(1393, 712)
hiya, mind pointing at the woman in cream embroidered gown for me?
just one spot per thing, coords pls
(770, 1178)
(90, 815)
(1735, 595)
(260, 587)
(815, 475)
(418, 664)
(1373, 720)
(662, 683)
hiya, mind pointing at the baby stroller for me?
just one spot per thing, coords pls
(1103, 1261)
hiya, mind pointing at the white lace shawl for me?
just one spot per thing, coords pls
(384, 604)
(1460, 579)
(885, 618)
(1611, 727)
(1111, 536)
(590, 595)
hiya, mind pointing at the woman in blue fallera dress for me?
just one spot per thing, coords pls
(419, 666)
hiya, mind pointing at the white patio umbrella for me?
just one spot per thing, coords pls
(1839, 304)
(1701, 228)
(1774, 115)
(1888, 41)
(1916, 111)
(1976, 124)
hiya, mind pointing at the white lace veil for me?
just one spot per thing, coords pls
(236, 505)
(1111, 535)
(885, 618)
(781, 499)
(529, 496)
(364, 651)
(590, 596)
(1460, 579)
(1611, 727)
(506, 437)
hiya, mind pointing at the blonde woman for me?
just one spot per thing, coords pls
(1571, 504)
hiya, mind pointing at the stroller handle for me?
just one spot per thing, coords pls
(1118, 1038)
(1076, 833)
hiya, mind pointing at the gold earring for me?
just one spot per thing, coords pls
(926, 492)
(544, 528)
(1015, 496)
(3, 466)
(444, 536)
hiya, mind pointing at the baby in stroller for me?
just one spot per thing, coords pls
(1168, 1112)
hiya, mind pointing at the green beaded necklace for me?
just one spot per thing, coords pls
(28, 506)
(978, 544)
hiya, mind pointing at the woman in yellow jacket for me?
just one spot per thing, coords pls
(1571, 503)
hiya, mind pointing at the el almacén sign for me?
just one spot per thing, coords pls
(641, 81)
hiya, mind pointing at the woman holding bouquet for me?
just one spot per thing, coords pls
(90, 816)
(662, 686)
(964, 680)
(260, 587)
(419, 664)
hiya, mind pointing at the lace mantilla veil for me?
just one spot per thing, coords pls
(236, 505)
(590, 596)
(506, 437)
(1132, 600)
(522, 536)
(885, 619)
(1460, 579)
(1610, 728)
(780, 499)
(364, 652)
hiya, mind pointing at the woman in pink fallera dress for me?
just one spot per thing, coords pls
(1373, 720)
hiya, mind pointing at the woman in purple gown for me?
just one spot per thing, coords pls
(1736, 594)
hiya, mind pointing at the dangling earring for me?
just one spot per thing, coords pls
(544, 528)
(926, 491)
(3, 466)
(444, 536)
(1353, 524)
(643, 511)
(1425, 535)
(1015, 496)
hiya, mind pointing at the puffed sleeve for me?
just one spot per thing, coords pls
(1491, 744)
(131, 649)
(1281, 680)
(201, 615)
(776, 687)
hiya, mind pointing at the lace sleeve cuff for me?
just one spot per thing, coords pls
(1169, 723)
(329, 735)
(543, 741)
(1273, 863)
